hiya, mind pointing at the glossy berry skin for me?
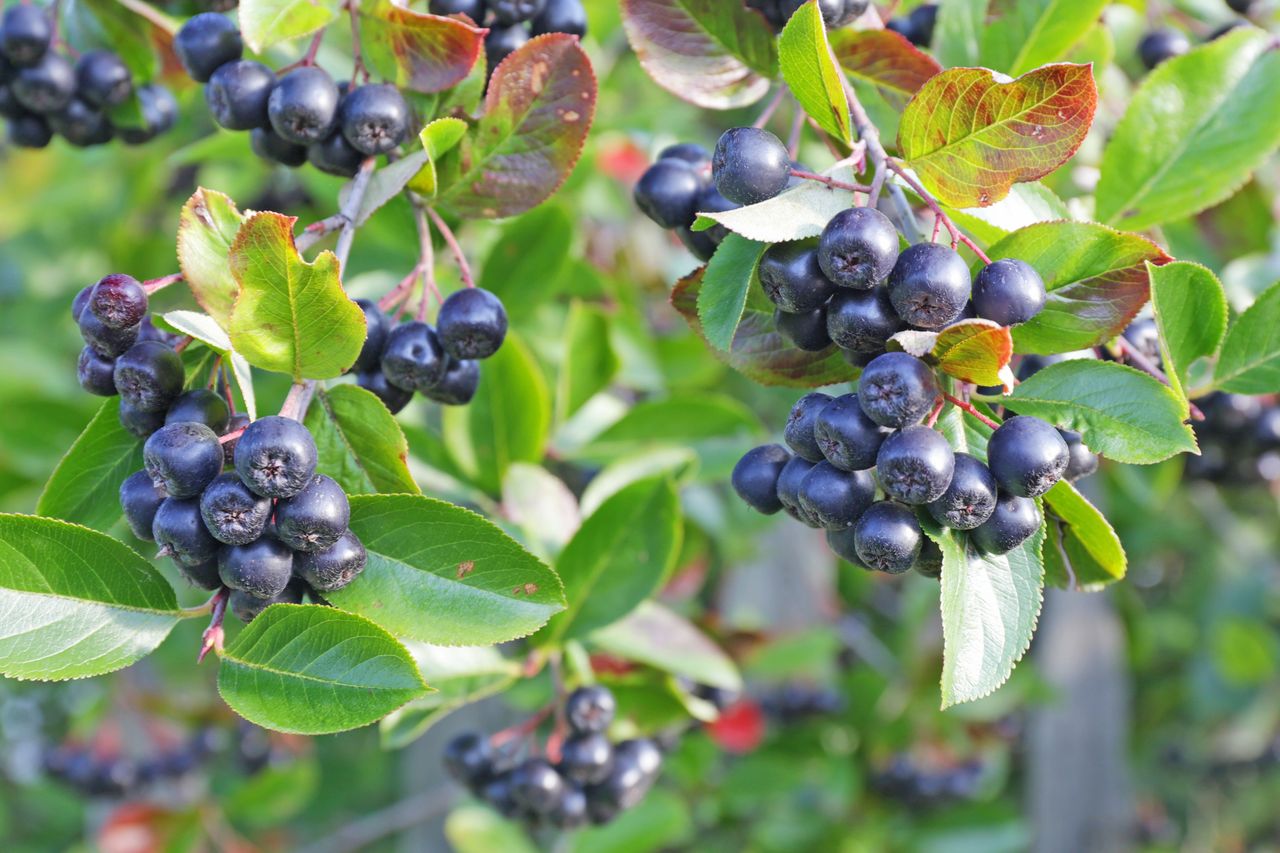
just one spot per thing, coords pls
(971, 497)
(668, 192)
(888, 538)
(46, 86)
(590, 708)
(472, 323)
(458, 385)
(862, 320)
(392, 396)
(495, 790)
(375, 118)
(858, 248)
(102, 79)
(414, 358)
(139, 498)
(106, 341)
(203, 575)
(792, 279)
(315, 518)
(848, 439)
(262, 568)
(561, 16)
(335, 567)
(96, 374)
(897, 389)
(334, 155)
(276, 457)
(536, 785)
(246, 607)
(750, 165)
(200, 406)
(238, 93)
(755, 477)
(586, 758)
(80, 301)
(636, 764)
(183, 458)
(710, 201)
(82, 125)
(1159, 45)
(1014, 521)
(917, 27)
(836, 498)
(29, 131)
(929, 285)
(508, 12)
(149, 375)
(206, 43)
(843, 543)
(793, 474)
(119, 301)
(1027, 456)
(468, 758)
(798, 432)
(232, 514)
(25, 34)
(140, 423)
(571, 811)
(501, 42)
(269, 146)
(180, 532)
(1008, 292)
(807, 331)
(690, 152)
(303, 106)
(376, 326)
(1081, 461)
(915, 465)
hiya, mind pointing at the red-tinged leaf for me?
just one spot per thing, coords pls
(540, 105)
(758, 351)
(1096, 277)
(971, 135)
(206, 228)
(425, 53)
(974, 351)
(717, 54)
(886, 60)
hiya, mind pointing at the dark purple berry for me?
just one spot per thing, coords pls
(25, 34)
(106, 341)
(96, 374)
(392, 396)
(414, 358)
(847, 438)
(668, 192)
(536, 785)
(268, 145)
(262, 568)
(887, 538)
(915, 465)
(206, 43)
(897, 389)
(180, 532)
(807, 331)
(139, 498)
(200, 406)
(590, 708)
(799, 433)
(303, 107)
(929, 285)
(183, 458)
(508, 12)
(246, 607)
(149, 375)
(858, 248)
(1014, 521)
(1027, 456)
(314, 518)
(468, 758)
(80, 301)
(335, 567)
(792, 279)
(501, 42)
(1008, 292)
(159, 113)
(570, 812)
(473, 9)
(139, 423)
(1081, 461)
(699, 243)
(690, 152)
(750, 165)
(238, 92)
(862, 320)
(29, 131)
(458, 385)
(755, 477)
(276, 457)
(376, 326)
(82, 124)
(586, 758)
(233, 514)
(1159, 45)
(47, 86)
(971, 497)
(102, 79)
(203, 575)
(471, 324)
(375, 118)
(793, 474)
(836, 498)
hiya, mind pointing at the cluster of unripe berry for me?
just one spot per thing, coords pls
(593, 781)
(441, 363)
(511, 23)
(93, 774)
(301, 117)
(42, 92)
(835, 13)
(905, 780)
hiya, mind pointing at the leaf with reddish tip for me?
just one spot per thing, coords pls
(886, 60)
(717, 54)
(974, 351)
(540, 105)
(971, 135)
(1096, 277)
(206, 228)
(425, 53)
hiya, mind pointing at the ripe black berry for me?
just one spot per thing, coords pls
(1027, 456)
(917, 27)
(561, 16)
(536, 785)
(472, 323)
(897, 389)
(106, 341)
(473, 9)
(590, 708)
(501, 42)
(668, 192)
(376, 326)
(1159, 45)
(836, 498)
(335, 567)
(570, 812)
(690, 152)
(102, 79)
(392, 396)
(699, 243)
(858, 248)
(139, 498)
(710, 201)
(119, 301)
(862, 320)
(635, 767)
(755, 477)
(848, 439)
(929, 285)
(246, 607)
(25, 33)
(334, 155)
(180, 532)
(81, 124)
(269, 146)
(47, 86)
(1081, 461)
(887, 537)
(149, 375)
(971, 497)
(262, 568)
(183, 458)
(750, 165)
(807, 331)
(1008, 292)
(233, 514)
(138, 422)
(276, 457)
(789, 480)
(314, 518)
(29, 131)
(586, 758)
(95, 373)
(238, 92)
(915, 465)
(303, 106)
(468, 758)
(375, 118)
(159, 113)
(800, 422)
(203, 575)
(200, 406)
(792, 279)
(80, 301)
(1014, 521)
(458, 385)
(413, 358)
(206, 43)
(929, 563)
(508, 12)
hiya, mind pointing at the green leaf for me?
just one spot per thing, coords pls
(460, 676)
(507, 421)
(713, 54)
(438, 138)
(528, 258)
(1096, 277)
(990, 604)
(589, 362)
(74, 602)
(312, 670)
(804, 57)
(360, 443)
(291, 317)
(654, 635)
(1193, 132)
(1026, 204)
(886, 60)
(1122, 413)
(85, 486)
(442, 574)
(205, 329)
(207, 227)
(540, 105)
(681, 420)
(618, 558)
(974, 351)
(264, 23)
(88, 24)
(425, 53)
(723, 296)
(1250, 358)
(795, 214)
(970, 137)
(473, 828)
(1089, 542)
(1020, 35)
(541, 506)
(1191, 314)
(957, 35)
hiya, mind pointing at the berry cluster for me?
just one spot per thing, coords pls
(440, 363)
(835, 13)
(511, 23)
(795, 703)
(269, 531)
(1239, 440)
(903, 779)
(96, 775)
(43, 93)
(592, 781)
(676, 188)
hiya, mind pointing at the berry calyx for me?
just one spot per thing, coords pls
(915, 465)
(374, 118)
(858, 248)
(314, 518)
(232, 513)
(929, 285)
(276, 457)
(118, 301)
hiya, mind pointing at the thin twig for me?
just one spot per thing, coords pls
(153, 284)
(520, 730)
(1140, 360)
(362, 833)
(213, 636)
(831, 182)
(309, 58)
(351, 210)
(870, 135)
(464, 269)
(1066, 560)
(937, 410)
(969, 407)
(357, 56)
(770, 108)
(793, 141)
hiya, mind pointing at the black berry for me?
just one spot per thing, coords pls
(536, 785)
(25, 34)
(1014, 521)
(235, 427)
(303, 106)
(180, 532)
(635, 767)
(862, 320)
(335, 567)
(95, 373)
(29, 131)
(792, 279)
(472, 323)
(858, 248)
(590, 708)
(1081, 461)
(929, 563)
(847, 438)
(699, 243)
(414, 358)
(203, 574)
(392, 396)
(690, 152)
(238, 92)
(139, 498)
(149, 375)
(586, 758)
(915, 465)
(200, 406)
(1008, 292)
(793, 474)
(47, 86)
(159, 113)
(276, 457)
(508, 12)
(887, 537)
(571, 811)
(375, 118)
(376, 326)
(458, 385)
(800, 423)
(269, 146)
(668, 192)
(80, 301)
(233, 514)
(1159, 45)
(971, 497)
(836, 498)
(501, 42)
(755, 477)
(206, 43)
(929, 285)
(119, 301)
(138, 422)
(468, 758)
(314, 518)
(102, 79)
(473, 9)
(262, 568)
(334, 155)
(183, 458)
(1027, 456)
(246, 606)
(561, 16)
(897, 389)
(106, 341)
(81, 124)
(806, 331)
(750, 165)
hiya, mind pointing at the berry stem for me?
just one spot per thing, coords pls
(797, 126)
(1072, 583)
(154, 284)
(464, 269)
(183, 344)
(771, 107)
(831, 182)
(309, 58)
(358, 70)
(937, 410)
(520, 730)
(214, 635)
(233, 435)
(201, 609)
(971, 409)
